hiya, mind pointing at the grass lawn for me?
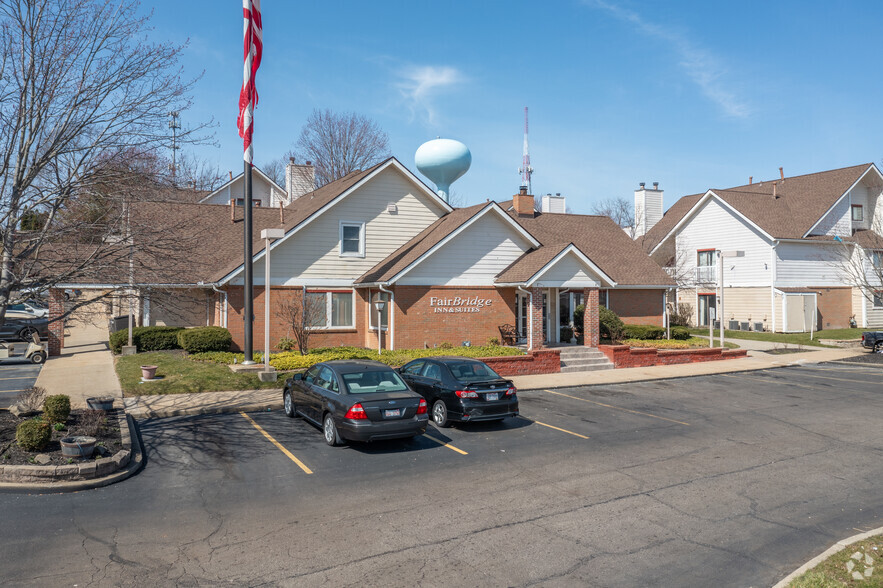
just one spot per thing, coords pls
(844, 568)
(793, 338)
(181, 375)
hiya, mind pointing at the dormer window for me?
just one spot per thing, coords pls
(352, 239)
(858, 214)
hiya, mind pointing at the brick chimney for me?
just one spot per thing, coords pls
(300, 179)
(523, 203)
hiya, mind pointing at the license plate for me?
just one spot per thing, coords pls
(492, 396)
(392, 412)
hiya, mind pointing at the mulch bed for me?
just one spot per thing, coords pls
(109, 440)
(867, 357)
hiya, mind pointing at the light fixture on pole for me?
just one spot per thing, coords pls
(268, 235)
(379, 303)
(720, 256)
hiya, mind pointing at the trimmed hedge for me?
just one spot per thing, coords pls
(57, 408)
(680, 333)
(202, 339)
(147, 338)
(33, 435)
(646, 332)
(294, 361)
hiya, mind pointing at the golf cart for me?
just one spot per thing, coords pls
(35, 351)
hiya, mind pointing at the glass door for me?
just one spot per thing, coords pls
(521, 319)
(707, 309)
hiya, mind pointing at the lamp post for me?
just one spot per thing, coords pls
(268, 235)
(720, 256)
(379, 304)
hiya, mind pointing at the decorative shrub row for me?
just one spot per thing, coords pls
(57, 408)
(690, 343)
(203, 339)
(292, 360)
(648, 332)
(147, 338)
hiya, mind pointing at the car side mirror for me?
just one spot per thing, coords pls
(298, 377)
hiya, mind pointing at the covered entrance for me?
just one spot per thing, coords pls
(557, 319)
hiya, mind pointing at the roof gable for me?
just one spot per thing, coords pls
(562, 265)
(235, 179)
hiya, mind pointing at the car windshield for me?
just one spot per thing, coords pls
(472, 372)
(374, 381)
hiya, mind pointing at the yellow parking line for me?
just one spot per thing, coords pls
(647, 414)
(836, 379)
(769, 379)
(448, 445)
(19, 378)
(278, 445)
(557, 428)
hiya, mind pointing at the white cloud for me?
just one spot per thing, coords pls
(700, 65)
(420, 84)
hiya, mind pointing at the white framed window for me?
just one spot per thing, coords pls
(384, 314)
(858, 213)
(877, 259)
(352, 239)
(878, 299)
(332, 309)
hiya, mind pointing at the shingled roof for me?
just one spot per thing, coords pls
(800, 202)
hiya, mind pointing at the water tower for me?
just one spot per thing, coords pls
(443, 161)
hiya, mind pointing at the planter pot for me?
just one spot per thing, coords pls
(100, 403)
(79, 446)
(148, 371)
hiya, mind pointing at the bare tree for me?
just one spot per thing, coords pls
(275, 169)
(338, 144)
(304, 314)
(81, 93)
(620, 210)
(859, 261)
(195, 173)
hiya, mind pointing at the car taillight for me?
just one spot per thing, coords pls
(466, 393)
(356, 412)
(511, 391)
(421, 408)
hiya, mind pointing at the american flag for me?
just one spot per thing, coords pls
(248, 96)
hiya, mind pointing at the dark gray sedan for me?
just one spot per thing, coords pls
(356, 400)
(17, 328)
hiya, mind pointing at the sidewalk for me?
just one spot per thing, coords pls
(142, 407)
(84, 369)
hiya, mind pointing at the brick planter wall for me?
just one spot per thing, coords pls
(542, 361)
(624, 356)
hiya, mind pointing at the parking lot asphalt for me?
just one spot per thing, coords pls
(15, 376)
(729, 480)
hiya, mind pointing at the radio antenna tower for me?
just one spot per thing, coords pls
(526, 171)
(175, 125)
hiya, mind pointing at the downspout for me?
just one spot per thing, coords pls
(392, 318)
(773, 287)
(529, 317)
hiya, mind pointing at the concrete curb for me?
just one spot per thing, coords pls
(135, 463)
(202, 410)
(836, 548)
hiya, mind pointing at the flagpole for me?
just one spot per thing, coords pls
(248, 311)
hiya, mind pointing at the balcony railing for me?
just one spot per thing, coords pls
(706, 274)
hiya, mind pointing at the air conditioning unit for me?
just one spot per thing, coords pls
(744, 325)
(758, 327)
(733, 325)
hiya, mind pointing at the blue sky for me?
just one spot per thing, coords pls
(694, 95)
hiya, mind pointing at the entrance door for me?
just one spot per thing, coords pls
(521, 303)
(707, 309)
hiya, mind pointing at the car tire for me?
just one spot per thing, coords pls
(288, 405)
(38, 357)
(440, 414)
(26, 333)
(329, 430)
(878, 347)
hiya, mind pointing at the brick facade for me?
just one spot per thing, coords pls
(535, 327)
(834, 306)
(418, 324)
(591, 320)
(56, 327)
(638, 307)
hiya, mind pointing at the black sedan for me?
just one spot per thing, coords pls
(22, 329)
(356, 400)
(461, 389)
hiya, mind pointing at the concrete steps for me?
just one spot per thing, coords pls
(583, 359)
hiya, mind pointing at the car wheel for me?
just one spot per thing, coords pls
(38, 357)
(332, 438)
(27, 333)
(288, 404)
(878, 347)
(440, 414)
